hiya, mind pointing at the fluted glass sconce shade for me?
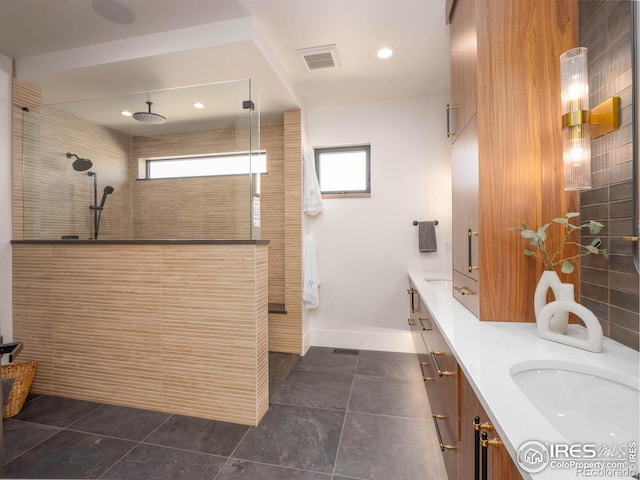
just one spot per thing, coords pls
(577, 157)
(574, 79)
(579, 123)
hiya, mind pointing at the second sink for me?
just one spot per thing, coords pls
(582, 403)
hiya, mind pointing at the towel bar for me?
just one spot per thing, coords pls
(435, 222)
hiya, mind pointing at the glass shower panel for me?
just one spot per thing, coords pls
(258, 160)
(55, 196)
(87, 166)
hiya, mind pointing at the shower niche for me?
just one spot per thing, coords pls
(85, 171)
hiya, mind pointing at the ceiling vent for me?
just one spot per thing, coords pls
(319, 58)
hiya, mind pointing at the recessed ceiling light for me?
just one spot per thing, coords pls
(198, 105)
(385, 52)
(126, 113)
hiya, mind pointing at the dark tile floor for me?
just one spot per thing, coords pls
(333, 417)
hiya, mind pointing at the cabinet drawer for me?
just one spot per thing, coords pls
(466, 291)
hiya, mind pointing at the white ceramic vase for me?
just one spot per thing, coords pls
(561, 291)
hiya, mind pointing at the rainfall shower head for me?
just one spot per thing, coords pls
(80, 164)
(149, 117)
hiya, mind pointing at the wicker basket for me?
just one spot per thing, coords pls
(23, 374)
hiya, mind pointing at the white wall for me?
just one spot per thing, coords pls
(6, 75)
(366, 246)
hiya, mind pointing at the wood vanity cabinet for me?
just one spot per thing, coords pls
(417, 324)
(439, 373)
(454, 404)
(507, 145)
(500, 466)
(445, 392)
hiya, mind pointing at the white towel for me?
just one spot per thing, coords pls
(311, 197)
(310, 274)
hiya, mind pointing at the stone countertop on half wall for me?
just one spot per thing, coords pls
(142, 242)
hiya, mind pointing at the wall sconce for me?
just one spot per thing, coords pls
(578, 122)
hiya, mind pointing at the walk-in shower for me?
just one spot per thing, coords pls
(111, 147)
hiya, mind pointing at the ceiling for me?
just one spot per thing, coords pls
(72, 53)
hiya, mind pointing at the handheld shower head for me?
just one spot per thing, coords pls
(108, 190)
(80, 164)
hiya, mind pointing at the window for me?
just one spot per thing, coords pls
(344, 171)
(202, 166)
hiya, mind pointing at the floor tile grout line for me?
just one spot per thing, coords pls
(99, 406)
(178, 449)
(344, 421)
(226, 462)
(348, 410)
(310, 406)
(160, 425)
(34, 446)
(287, 467)
(241, 440)
(118, 460)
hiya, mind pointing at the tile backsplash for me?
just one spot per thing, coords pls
(610, 289)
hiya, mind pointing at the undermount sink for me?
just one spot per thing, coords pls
(443, 281)
(583, 403)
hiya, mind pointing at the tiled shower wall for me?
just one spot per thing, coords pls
(610, 289)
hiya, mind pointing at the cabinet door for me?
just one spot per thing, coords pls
(500, 466)
(464, 155)
(463, 65)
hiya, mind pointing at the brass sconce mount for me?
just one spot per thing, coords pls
(604, 118)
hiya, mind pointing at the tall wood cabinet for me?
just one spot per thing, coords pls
(507, 145)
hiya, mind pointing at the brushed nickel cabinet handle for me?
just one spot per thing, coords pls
(631, 239)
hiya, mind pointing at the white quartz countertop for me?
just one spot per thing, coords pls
(486, 351)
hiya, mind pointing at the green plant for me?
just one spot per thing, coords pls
(551, 259)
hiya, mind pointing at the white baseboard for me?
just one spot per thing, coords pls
(381, 340)
(306, 343)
